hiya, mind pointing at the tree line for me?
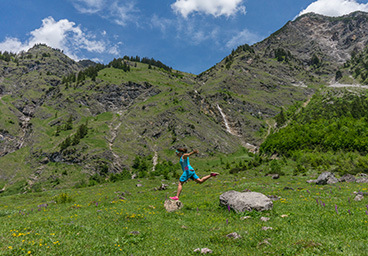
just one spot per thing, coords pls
(119, 63)
(7, 56)
(330, 122)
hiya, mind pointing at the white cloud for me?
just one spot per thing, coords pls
(195, 32)
(244, 37)
(335, 7)
(114, 50)
(211, 7)
(161, 23)
(120, 12)
(11, 44)
(88, 6)
(63, 35)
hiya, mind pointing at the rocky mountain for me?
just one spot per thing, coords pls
(326, 42)
(62, 121)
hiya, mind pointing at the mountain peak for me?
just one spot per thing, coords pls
(331, 39)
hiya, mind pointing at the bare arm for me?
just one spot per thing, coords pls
(195, 151)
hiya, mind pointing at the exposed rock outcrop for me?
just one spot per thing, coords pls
(246, 201)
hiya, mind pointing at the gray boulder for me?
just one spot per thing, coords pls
(325, 178)
(359, 197)
(246, 201)
(347, 178)
(362, 180)
(172, 205)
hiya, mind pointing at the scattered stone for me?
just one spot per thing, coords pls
(273, 197)
(203, 250)
(265, 219)
(43, 205)
(233, 235)
(288, 188)
(274, 176)
(266, 242)
(359, 197)
(284, 216)
(139, 185)
(172, 205)
(347, 178)
(135, 232)
(134, 176)
(162, 187)
(267, 228)
(184, 227)
(245, 217)
(122, 198)
(246, 201)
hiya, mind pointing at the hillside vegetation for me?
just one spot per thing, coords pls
(75, 124)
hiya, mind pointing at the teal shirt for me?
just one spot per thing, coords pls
(185, 165)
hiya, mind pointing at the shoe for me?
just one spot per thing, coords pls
(174, 198)
(213, 174)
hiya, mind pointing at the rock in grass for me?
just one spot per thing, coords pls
(265, 219)
(267, 228)
(359, 197)
(203, 250)
(245, 217)
(172, 205)
(347, 178)
(162, 187)
(274, 176)
(265, 242)
(246, 201)
(233, 235)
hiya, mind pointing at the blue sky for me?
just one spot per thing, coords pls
(187, 35)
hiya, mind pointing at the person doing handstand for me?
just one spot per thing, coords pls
(188, 171)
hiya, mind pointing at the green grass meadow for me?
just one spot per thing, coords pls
(122, 219)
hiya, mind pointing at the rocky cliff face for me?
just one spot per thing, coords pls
(331, 39)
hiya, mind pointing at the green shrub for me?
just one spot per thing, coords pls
(124, 175)
(63, 198)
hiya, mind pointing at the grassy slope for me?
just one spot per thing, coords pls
(172, 97)
(97, 221)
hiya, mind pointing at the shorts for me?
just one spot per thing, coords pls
(190, 174)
